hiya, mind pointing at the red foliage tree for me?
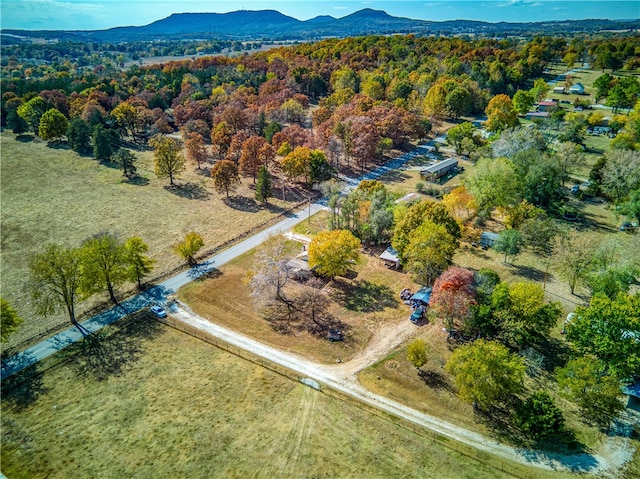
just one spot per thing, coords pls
(453, 295)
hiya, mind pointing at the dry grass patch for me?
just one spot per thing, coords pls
(184, 408)
(363, 304)
(54, 195)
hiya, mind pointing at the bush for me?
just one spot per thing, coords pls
(417, 353)
(539, 419)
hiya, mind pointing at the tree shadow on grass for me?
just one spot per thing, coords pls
(111, 351)
(137, 180)
(242, 203)
(189, 191)
(556, 353)
(25, 138)
(435, 380)
(533, 274)
(24, 388)
(364, 296)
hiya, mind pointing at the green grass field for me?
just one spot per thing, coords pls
(54, 195)
(178, 407)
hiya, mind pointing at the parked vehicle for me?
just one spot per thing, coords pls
(158, 311)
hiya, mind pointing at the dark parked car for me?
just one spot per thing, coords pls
(335, 335)
(417, 315)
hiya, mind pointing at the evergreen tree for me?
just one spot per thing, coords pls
(79, 135)
(101, 141)
(263, 187)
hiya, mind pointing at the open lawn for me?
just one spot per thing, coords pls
(179, 407)
(362, 304)
(52, 195)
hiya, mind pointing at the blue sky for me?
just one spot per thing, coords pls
(97, 14)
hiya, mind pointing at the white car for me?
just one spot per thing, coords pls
(158, 311)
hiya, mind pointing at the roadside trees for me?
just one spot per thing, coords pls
(225, 176)
(9, 320)
(167, 152)
(189, 247)
(55, 278)
(540, 419)
(138, 263)
(104, 265)
(332, 252)
(486, 372)
(457, 134)
(271, 273)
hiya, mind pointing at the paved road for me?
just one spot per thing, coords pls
(159, 293)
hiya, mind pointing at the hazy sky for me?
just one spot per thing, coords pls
(98, 14)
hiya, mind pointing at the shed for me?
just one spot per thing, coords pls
(537, 114)
(577, 89)
(423, 295)
(487, 238)
(391, 258)
(545, 105)
(438, 170)
(299, 267)
(558, 89)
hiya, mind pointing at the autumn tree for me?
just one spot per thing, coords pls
(418, 352)
(167, 152)
(486, 373)
(409, 219)
(263, 186)
(55, 278)
(221, 135)
(271, 272)
(126, 117)
(104, 265)
(332, 252)
(461, 204)
(453, 295)
(189, 247)
(53, 125)
(225, 176)
(9, 320)
(253, 157)
(597, 393)
(138, 263)
(195, 148)
(429, 251)
(501, 113)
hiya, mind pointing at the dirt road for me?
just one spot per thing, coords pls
(613, 454)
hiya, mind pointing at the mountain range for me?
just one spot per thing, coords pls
(273, 25)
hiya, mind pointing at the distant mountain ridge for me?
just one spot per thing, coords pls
(273, 25)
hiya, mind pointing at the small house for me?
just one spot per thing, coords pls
(390, 258)
(440, 169)
(633, 391)
(576, 89)
(558, 89)
(487, 238)
(546, 105)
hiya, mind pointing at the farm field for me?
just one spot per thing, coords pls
(197, 412)
(52, 195)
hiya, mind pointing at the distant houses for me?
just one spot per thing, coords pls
(577, 89)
